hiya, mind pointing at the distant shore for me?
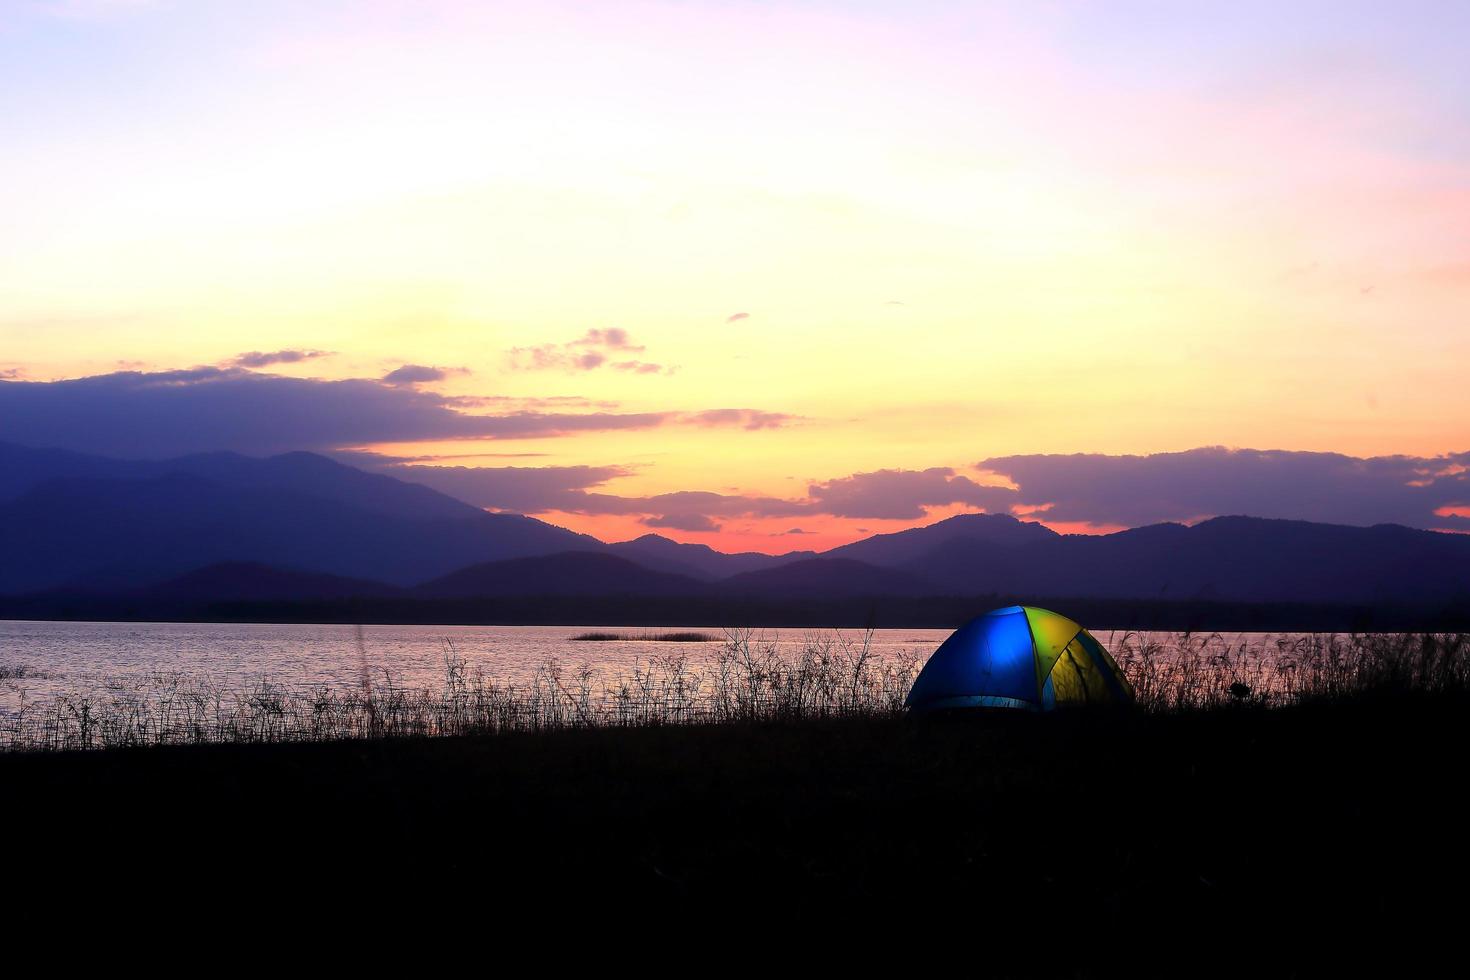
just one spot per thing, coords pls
(938, 612)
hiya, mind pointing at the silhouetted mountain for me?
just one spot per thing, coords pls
(107, 526)
(698, 560)
(1227, 558)
(826, 578)
(960, 531)
(129, 532)
(23, 469)
(575, 573)
(253, 582)
(318, 476)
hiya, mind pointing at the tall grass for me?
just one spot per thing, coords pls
(1190, 671)
(749, 678)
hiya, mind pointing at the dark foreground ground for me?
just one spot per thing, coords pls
(1333, 831)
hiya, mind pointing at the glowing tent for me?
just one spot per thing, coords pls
(1019, 657)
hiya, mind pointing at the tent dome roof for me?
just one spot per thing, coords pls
(1019, 657)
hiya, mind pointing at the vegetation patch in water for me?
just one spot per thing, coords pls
(689, 637)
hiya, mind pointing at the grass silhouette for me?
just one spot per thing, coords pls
(749, 679)
(1282, 808)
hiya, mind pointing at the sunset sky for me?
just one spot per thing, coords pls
(762, 275)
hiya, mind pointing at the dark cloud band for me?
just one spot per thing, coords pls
(1214, 481)
(260, 359)
(165, 413)
(1424, 492)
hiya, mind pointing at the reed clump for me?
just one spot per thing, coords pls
(20, 672)
(676, 637)
(748, 678)
(1193, 671)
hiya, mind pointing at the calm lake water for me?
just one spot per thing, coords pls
(39, 660)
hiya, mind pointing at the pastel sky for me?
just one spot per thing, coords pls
(709, 268)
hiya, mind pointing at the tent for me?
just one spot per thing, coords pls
(1019, 657)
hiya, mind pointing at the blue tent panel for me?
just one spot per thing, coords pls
(991, 655)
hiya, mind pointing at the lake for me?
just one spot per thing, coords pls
(78, 685)
(41, 660)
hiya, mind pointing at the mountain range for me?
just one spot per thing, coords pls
(68, 520)
(300, 526)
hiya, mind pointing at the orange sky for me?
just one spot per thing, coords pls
(917, 236)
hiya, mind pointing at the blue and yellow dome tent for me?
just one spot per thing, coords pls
(1019, 657)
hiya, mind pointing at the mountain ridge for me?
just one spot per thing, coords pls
(567, 573)
(133, 532)
(99, 525)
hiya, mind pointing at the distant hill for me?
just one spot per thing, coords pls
(827, 578)
(23, 469)
(318, 476)
(1224, 559)
(698, 560)
(125, 532)
(902, 548)
(252, 582)
(577, 573)
(100, 526)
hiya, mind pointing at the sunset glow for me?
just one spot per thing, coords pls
(753, 250)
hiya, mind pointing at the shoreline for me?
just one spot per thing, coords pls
(750, 677)
(944, 612)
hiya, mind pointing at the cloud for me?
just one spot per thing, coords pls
(1427, 492)
(522, 489)
(1212, 481)
(734, 317)
(587, 353)
(364, 457)
(548, 357)
(746, 418)
(613, 338)
(797, 530)
(413, 374)
(164, 413)
(689, 510)
(903, 494)
(260, 359)
(689, 502)
(531, 402)
(682, 522)
(892, 494)
(569, 489)
(642, 367)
